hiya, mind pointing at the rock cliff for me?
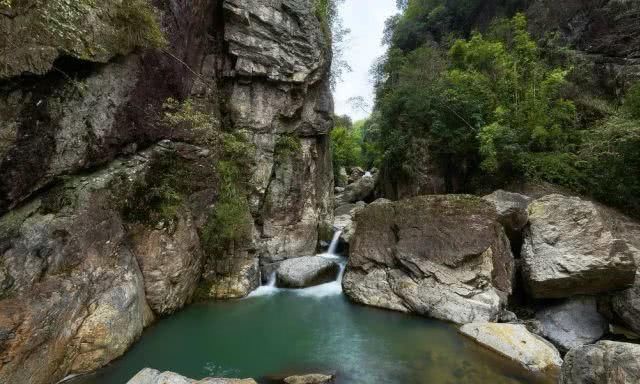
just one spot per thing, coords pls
(150, 153)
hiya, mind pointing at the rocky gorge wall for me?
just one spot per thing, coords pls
(132, 154)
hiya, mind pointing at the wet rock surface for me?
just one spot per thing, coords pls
(302, 272)
(440, 256)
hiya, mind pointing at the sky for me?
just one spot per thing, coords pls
(366, 20)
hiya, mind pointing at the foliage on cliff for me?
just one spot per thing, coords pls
(346, 144)
(37, 32)
(495, 107)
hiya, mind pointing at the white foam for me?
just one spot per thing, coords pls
(323, 290)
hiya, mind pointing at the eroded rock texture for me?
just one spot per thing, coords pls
(569, 249)
(74, 292)
(279, 93)
(442, 256)
(607, 362)
(106, 203)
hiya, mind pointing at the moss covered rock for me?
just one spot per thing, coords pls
(37, 32)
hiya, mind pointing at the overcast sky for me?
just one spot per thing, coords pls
(366, 20)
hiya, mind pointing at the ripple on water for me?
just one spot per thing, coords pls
(287, 332)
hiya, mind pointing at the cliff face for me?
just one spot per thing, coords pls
(111, 167)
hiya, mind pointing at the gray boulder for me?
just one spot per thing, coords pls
(607, 362)
(152, 376)
(307, 271)
(570, 250)
(573, 323)
(513, 341)
(360, 190)
(512, 210)
(440, 256)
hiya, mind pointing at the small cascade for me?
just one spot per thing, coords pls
(334, 243)
(328, 289)
(267, 289)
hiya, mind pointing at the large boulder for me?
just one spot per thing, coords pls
(152, 376)
(514, 342)
(302, 272)
(572, 323)
(440, 256)
(570, 250)
(607, 362)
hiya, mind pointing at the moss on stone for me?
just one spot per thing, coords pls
(40, 31)
(287, 146)
(230, 221)
(159, 195)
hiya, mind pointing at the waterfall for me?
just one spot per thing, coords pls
(318, 291)
(334, 243)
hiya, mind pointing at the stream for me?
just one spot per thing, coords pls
(278, 332)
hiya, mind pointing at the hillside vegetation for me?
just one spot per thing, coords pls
(493, 105)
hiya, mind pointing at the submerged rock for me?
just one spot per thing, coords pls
(607, 362)
(440, 256)
(307, 271)
(152, 376)
(573, 323)
(570, 250)
(515, 342)
(309, 379)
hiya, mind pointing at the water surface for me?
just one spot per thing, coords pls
(280, 332)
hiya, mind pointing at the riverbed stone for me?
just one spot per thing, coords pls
(152, 376)
(306, 271)
(315, 378)
(570, 250)
(515, 342)
(572, 323)
(606, 362)
(440, 256)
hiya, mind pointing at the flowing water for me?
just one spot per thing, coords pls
(276, 332)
